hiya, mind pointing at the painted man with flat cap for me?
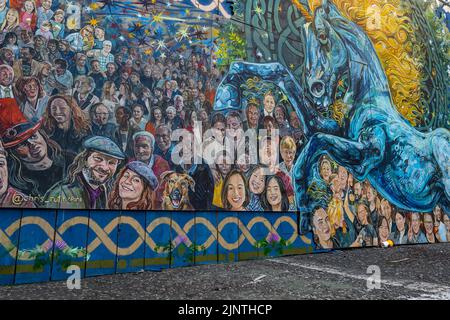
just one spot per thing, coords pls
(86, 185)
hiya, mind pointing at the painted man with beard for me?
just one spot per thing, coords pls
(86, 184)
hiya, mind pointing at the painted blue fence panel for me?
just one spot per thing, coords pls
(70, 242)
(37, 233)
(102, 242)
(9, 234)
(131, 243)
(158, 239)
(183, 239)
(228, 229)
(206, 237)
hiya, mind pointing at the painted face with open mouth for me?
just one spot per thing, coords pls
(236, 192)
(177, 188)
(101, 168)
(176, 198)
(131, 186)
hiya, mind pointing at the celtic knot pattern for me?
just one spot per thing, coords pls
(144, 235)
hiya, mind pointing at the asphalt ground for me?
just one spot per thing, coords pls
(406, 272)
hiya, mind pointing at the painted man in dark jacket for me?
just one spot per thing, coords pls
(86, 184)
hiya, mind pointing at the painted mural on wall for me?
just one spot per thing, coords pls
(336, 109)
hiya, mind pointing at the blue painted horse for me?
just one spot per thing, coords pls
(409, 168)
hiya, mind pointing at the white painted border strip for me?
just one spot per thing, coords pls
(430, 290)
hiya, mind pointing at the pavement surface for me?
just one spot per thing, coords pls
(406, 272)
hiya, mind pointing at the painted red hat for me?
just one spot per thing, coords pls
(20, 133)
(10, 114)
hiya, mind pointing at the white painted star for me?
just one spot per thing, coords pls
(161, 44)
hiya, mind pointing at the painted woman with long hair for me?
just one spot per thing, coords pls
(66, 124)
(274, 196)
(235, 193)
(11, 22)
(134, 188)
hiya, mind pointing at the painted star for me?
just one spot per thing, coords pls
(184, 33)
(187, 11)
(291, 66)
(137, 27)
(161, 44)
(163, 55)
(148, 52)
(93, 22)
(94, 6)
(158, 17)
(258, 10)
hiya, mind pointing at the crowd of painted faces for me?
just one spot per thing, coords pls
(78, 110)
(355, 215)
(88, 125)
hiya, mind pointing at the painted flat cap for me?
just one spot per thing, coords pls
(104, 145)
(145, 172)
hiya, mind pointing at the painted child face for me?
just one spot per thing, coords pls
(400, 222)
(46, 4)
(131, 186)
(29, 6)
(428, 223)
(236, 192)
(99, 33)
(59, 18)
(253, 116)
(362, 215)
(279, 114)
(137, 113)
(325, 170)
(269, 103)
(11, 18)
(273, 193)
(446, 220)
(386, 209)
(257, 181)
(415, 223)
(288, 155)
(158, 114)
(321, 225)
(383, 230)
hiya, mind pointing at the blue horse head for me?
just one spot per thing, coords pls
(326, 59)
(339, 54)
